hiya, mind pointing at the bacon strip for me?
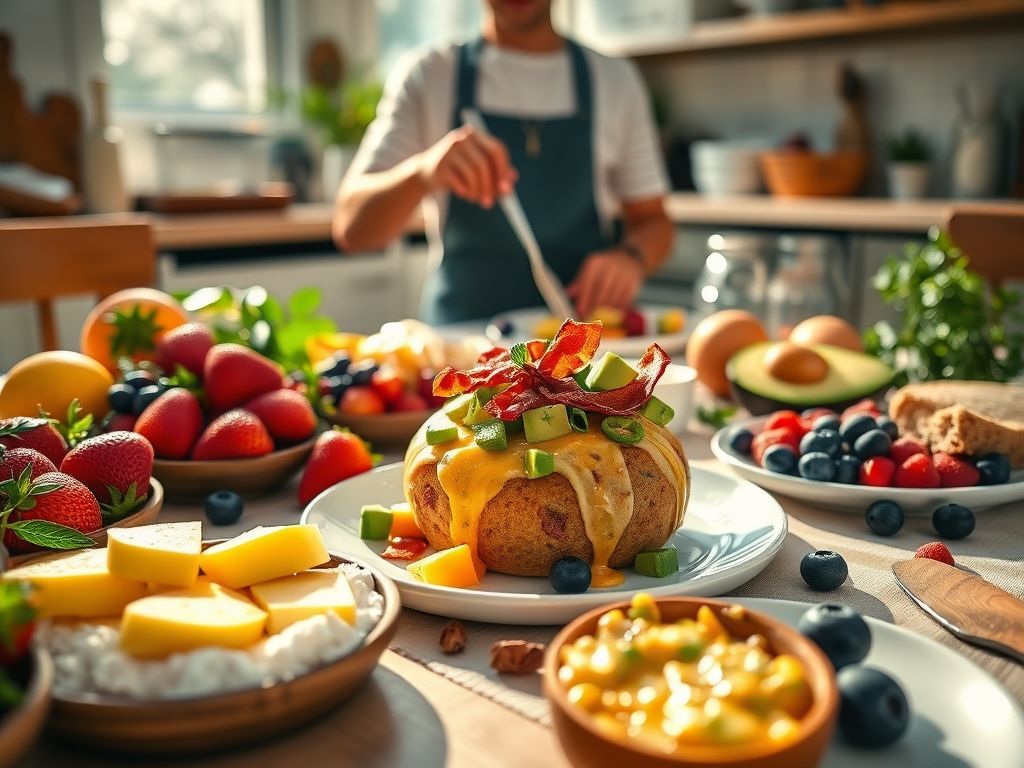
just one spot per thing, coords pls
(571, 349)
(405, 548)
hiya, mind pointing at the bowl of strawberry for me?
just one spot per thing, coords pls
(850, 460)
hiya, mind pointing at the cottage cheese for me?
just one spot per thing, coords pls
(88, 658)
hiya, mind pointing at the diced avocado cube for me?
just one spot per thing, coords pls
(514, 427)
(657, 563)
(457, 407)
(478, 413)
(581, 377)
(546, 423)
(491, 436)
(658, 411)
(374, 522)
(578, 420)
(442, 432)
(611, 372)
(538, 463)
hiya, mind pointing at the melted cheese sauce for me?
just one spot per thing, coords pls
(593, 464)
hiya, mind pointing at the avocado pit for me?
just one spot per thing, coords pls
(795, 364)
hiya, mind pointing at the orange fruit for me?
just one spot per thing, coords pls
(320, 346)
(52, 380)
(129, 323)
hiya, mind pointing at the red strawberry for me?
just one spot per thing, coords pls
(770, 437)
(954, 472)
(814, 414)
(120, 422)
(917, 472)
(236, 434)
(864, 406)
(633, 322)
(935, 550)
(172, 423)
(285, 413)
(410, 401)
(877, 471)
(187, 346)
(234, 374)
(23, 432)
(790, 419)
(905, 447)
(387, 386)
(337, 455)
(115, 466)
(14, 461)
(70, 504)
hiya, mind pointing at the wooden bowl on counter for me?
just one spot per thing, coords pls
(586, 745)
(20, 727)
(790, 173)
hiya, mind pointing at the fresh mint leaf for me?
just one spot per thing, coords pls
(44, 533)
(716, 417)
(519, 355)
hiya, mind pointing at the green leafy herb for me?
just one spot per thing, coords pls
(519, 354)
(953, 325)
(15, 611)
(76, 427)
(911, 146)
(20, 494)
(44, 533)
(716, 416)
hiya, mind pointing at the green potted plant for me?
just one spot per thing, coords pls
(908, 155)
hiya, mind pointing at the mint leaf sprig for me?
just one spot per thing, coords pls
(20, 494)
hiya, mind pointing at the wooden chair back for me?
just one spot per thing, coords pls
(992, 238)
(47, 258)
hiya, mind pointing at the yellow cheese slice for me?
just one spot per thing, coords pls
(167, 553)
(77, 584)
(185, 619)
(263, 554)
(313, 593)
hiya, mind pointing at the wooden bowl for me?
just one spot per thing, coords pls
(385, 429)
(193, 480)
(145, 515)
(182, 726)
(19, 728)
(585, 745)
(813, 174)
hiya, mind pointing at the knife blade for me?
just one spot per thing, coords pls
(966, 605)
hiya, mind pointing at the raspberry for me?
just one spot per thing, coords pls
(864, 406)
(789, 420)
(935, 550)
(954, 472)
(770, 437)
(904, 448)
(813, 414)
(877, 471)
(917, 472)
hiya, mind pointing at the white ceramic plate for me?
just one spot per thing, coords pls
(961, 716)
(731, 531)
(524, 321)
(857, 498)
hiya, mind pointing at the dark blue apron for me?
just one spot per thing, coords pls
(484, 269)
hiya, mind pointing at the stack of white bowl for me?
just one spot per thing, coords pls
(726, 167)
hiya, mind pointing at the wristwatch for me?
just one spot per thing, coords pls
(634, 252)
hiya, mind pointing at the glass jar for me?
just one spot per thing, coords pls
(806, 282)
(735, 274)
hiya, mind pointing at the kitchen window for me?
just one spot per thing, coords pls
(407, 24)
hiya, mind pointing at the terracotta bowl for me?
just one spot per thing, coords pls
(814, 174)
(183, 726)
(385, 429)
(585, 745)
(192, 480)
(19, 728)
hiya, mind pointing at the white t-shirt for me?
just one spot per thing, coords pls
(416, 111)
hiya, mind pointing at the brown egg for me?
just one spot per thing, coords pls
(794, 363)
(827, 329)
(715, 339)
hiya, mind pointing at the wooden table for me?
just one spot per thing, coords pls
(410, 716)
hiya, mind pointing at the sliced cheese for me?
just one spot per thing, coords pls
(166, 554)
(182, 620)
(313, 593)
(77, 584)
(263, 554)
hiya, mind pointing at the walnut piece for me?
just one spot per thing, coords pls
(453, 637)
(517, 657)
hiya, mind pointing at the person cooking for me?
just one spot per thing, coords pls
(569, 130)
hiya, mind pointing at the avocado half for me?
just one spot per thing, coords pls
(852, 376)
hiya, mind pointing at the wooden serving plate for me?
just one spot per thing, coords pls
(115, 724)
(193, 480)
(387, 429)
(19, 728)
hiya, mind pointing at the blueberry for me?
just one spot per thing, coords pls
(569, 575)
(826, 422)
(502, 326)
(873, 709)
(335, 365)
(840, 632)
(223, 507)
(994, 469)
(874, 442)
(855, 426)
(953, 521)
(817, 466)
(120, 397)
(847, 470)
(338, 385)
(739, 439)
(362, 373)
(824, 570)
(824, 440)
(139, 379)
(145, 396)
(781, 459)
(884, 517)
(888, 426)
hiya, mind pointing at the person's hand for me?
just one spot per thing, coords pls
(469, 163)
(609, 278)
